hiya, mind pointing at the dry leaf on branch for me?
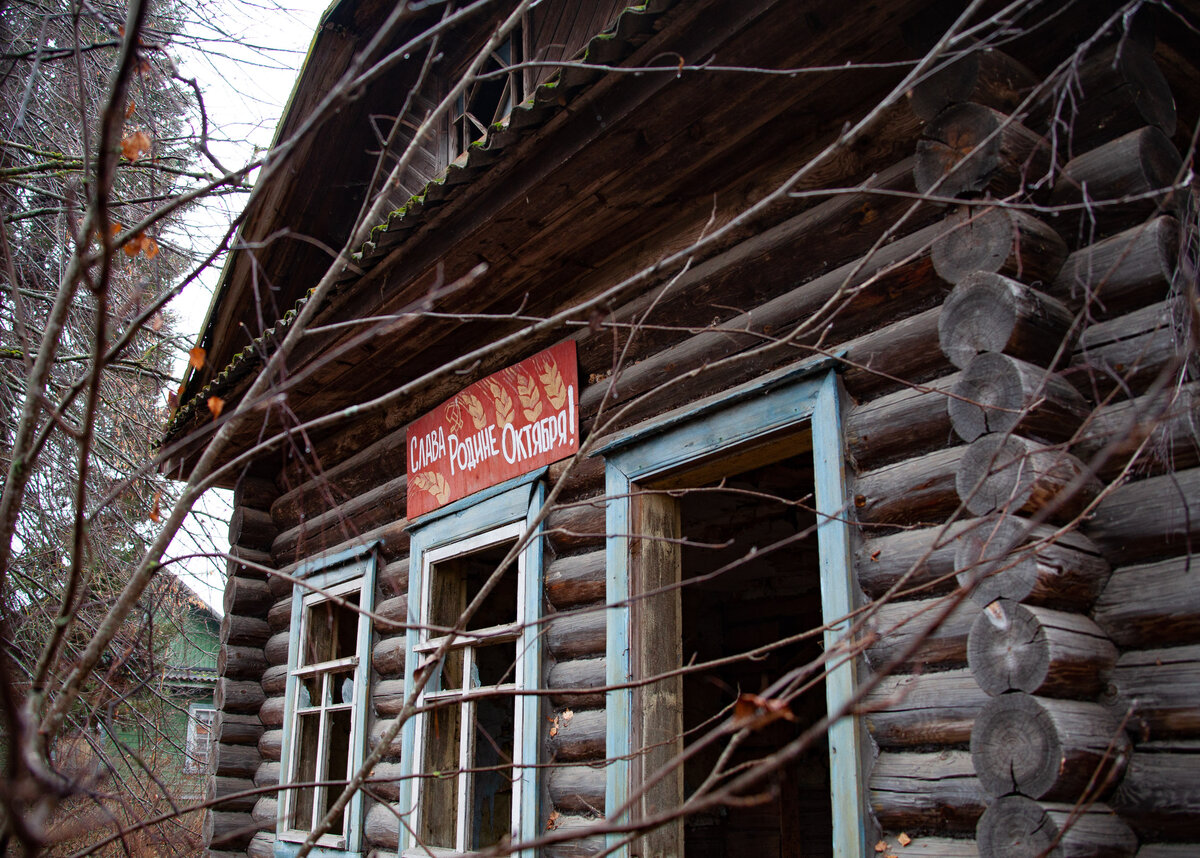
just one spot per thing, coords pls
(196, 357)
(156, 508)
(216, 405)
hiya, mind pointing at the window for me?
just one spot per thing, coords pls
(475, 738)
(199, 737)
(732, 471)
(326, 700)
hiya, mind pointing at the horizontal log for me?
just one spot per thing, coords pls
(1047, 749)
(385, 780)
(380, 505)
(1000, 393)
(267, 775)
(915, 491)
(235, 761)
(578, 789)
(1169, 850)
(219, 788)
(279, 617)
(1121, 88)
(1041, 651)
(922, 710)
(381, 828)
(231, 729)
(579, 736)
(1128, 354)
(271, 712)
(1160, 796)
(582, 843)
(265, 811)
(393, 539)
(237, 630)
(1151, 605)
(901, 425)
(583, 478)
(1165, 424)
(577, 527)
(387, 658)
(984, 241)
(262, 845)
(895, 356)
(255, 492)
(1158, 691)
(1019, 827)
(921, 846)
(240, 697)
(899, 625)
(983, 76)
(230, 831)
(970, 149)
(910, 559)
(575, 580)
(578, 634)
(1004, 557)
(1128, 270)
(241, 662)
(391, 615)
(1007, 473)
(276, 647)
(926, 791)
(578, 683)
(274, 680)
(270, 744)
(251, 528)
(248, 562)
(393, 578)
(376, 733)
(1120, 183)
(248, 597)
(388, 696)
(1155, 517)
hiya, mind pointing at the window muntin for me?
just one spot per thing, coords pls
(474, 802)
(326, 702)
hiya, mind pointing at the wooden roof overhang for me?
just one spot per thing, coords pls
(602, 175)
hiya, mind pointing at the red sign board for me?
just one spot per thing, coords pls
(505, 425)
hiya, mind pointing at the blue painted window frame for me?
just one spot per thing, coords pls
(361, 563)
(516, 500)
(802, 396)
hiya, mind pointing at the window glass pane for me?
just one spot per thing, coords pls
(452, 672)
(306, 770)
(456, 581)
(495, 664)
(492, 788)
(439, 790)
(337, 745)
(332, 631)
(309, 692)
(341, 687)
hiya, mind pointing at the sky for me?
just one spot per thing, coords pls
(245, 57)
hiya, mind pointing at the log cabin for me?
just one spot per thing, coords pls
(748, 428)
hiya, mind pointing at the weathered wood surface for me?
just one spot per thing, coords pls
(375, 736)
(270, 744)
(577, 789)
(387, 658)
(1151, 605)
(922, 846)
(276, 648)
(1168, 421)
(251, 528)
(254, 492)
(943, 640)
(1045, 748)
(970, 149)
(916, 491)
(262, 845)
(231, 729)
(1160, 796)
(578, 684)
(983, 241)
(271, 712)
(1011, 474)
(1159, 691)
(926, 792)
(920, 710)
(895, 356)
(1000, 393)
(248, 562)
(393, 539)
(1128, 270)
(580, 736)
(231, 831)
(1121, 90)
(235, 761)
(391, 615)
(581, 845)
(265, 811)
(380, 505)
(311, 495)
(987, 76)
(392, 579)
(1018, 827)
(388, 697)
(583, 478)
(1131, 352)
(575, 580)
(240, 697)
(921, 558)
(381, 828)
(1133, 171)
(385, 780)
(244, 631)
(579, 634)
(1169, 850)
(274, 680)
(279, 617)
(1004, 557)
(901, 425)
(1150, 518)
(1014, 647)
(219, 788)
(241, 662)
(267, 775)
(247, 597)
(576, 527)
